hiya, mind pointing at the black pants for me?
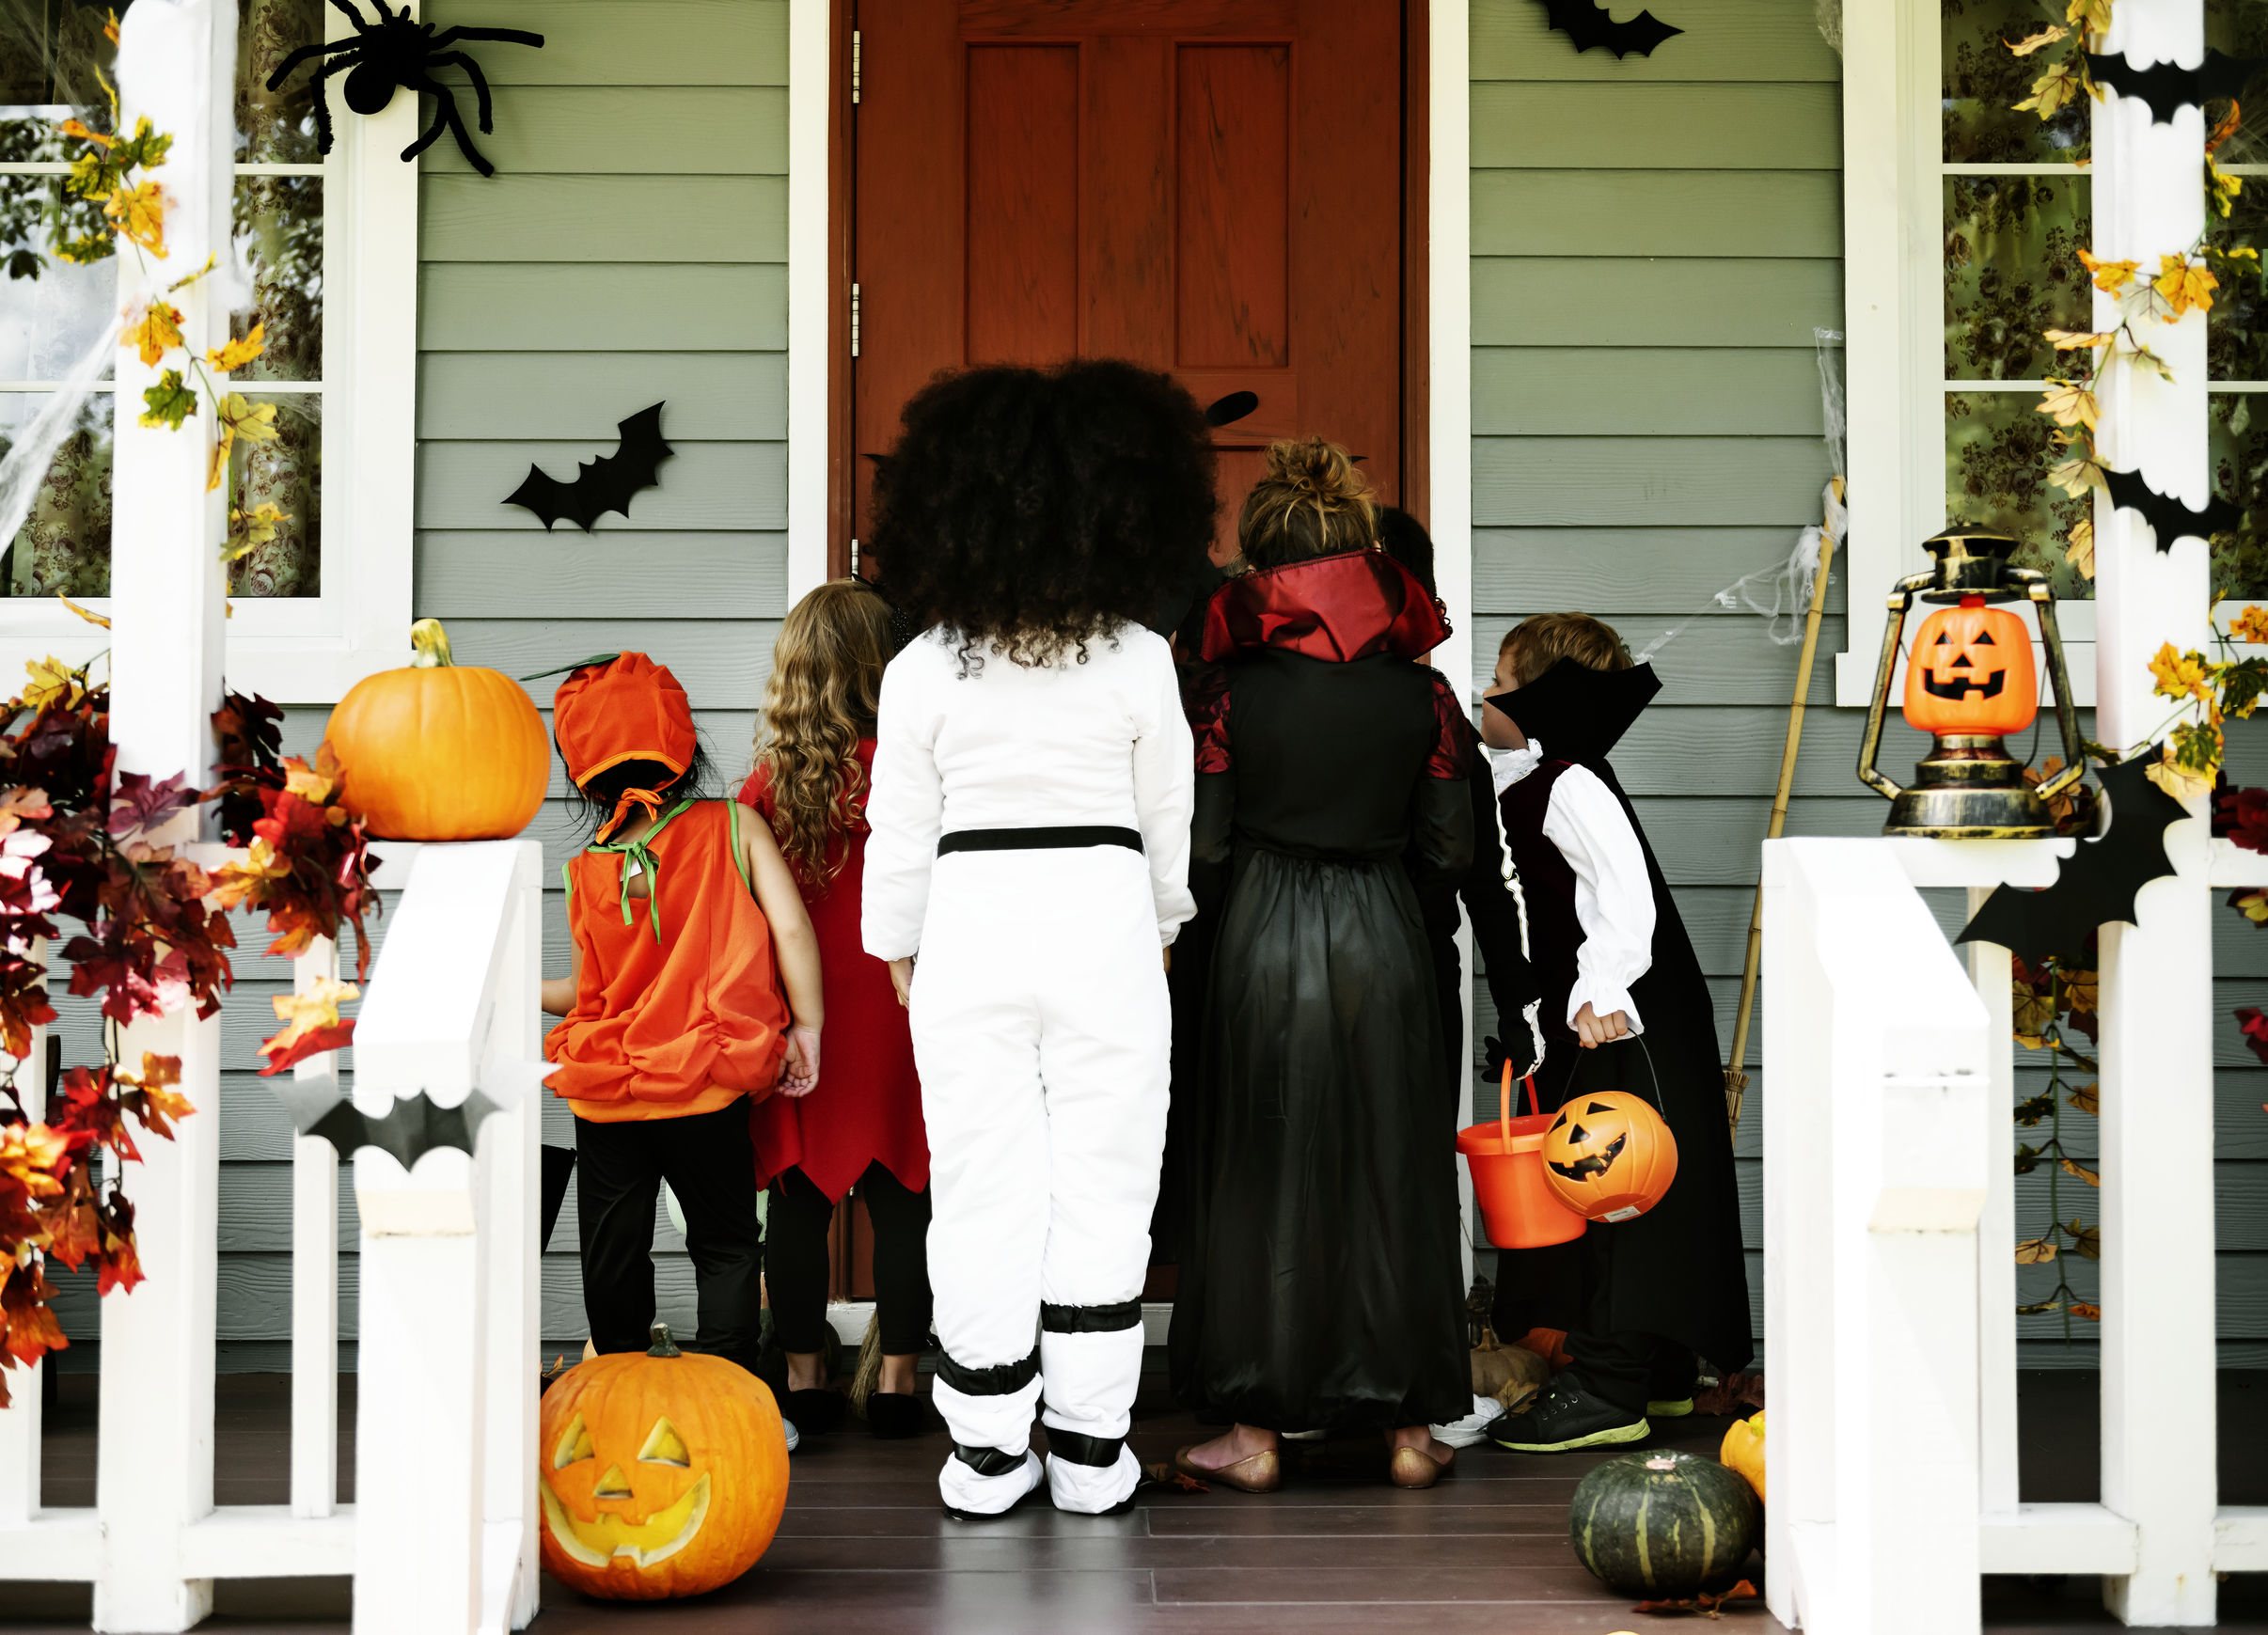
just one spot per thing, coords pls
(710, 1164)
(1632, 1369)
(796, 1261)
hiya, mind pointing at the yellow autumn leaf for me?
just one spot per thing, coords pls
(2078, 475)
(2085, 1098)
(2069, 404)
(233, 881)
(2080, 990)
(2185, 285)
(87, 613)
(217, 467)
(2073, 1168)
(51, 678)
(158, 333)
(2252, 624)
(2180, 675)
(2094, 16)
(2079, 550)
(2110, 276)
(249, 530)
(237, 353)
(302, 1014)
(253, 422)
(2072, 339)
(307, 782)
(2178, 780)
(2051, 90)
(139, 212)
(2032, 42)
(75, 128)
(2032, 1251)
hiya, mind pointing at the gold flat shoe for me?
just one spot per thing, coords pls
(1253, 1473)
(1416, 1468)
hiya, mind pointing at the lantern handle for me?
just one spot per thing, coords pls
(1894, 629)
(2035, 585)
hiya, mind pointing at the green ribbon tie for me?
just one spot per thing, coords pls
(637, 852)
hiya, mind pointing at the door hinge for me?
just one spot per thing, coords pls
(853, 320)
(853, 68)
(854, 570)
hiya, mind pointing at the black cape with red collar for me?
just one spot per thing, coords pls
(1679, 1270)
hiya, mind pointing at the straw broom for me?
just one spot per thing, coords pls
(1736, 1077)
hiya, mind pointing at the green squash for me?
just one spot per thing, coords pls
(1662, 1524)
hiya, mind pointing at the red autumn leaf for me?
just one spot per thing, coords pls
(312, 1042)
(142, 803)
(2241, 814)
(2254, 1026)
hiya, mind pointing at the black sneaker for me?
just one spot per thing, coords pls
(1566, 1418)
(814, 1412)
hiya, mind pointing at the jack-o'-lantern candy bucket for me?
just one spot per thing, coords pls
(1609, 1155)
(1970, 681)
(1505, 1156)
(661, 1473)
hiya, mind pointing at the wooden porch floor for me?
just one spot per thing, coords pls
(863, 1548)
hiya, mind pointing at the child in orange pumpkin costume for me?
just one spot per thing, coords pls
(696, 986)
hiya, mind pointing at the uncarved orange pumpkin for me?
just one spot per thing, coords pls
(1608, 1156)
(1972, 672)
(440, 751)
(661, 1473)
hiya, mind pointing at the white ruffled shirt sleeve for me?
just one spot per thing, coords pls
(1614, 895)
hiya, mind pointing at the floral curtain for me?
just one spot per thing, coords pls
(51, 52)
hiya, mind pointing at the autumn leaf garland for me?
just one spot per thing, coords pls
(78, 839)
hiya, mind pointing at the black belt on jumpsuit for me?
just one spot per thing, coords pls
(1054, 838)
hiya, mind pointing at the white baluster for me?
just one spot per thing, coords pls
(20, 1422)
(315, 1279)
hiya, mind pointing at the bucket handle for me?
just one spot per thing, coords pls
(1503, 1104)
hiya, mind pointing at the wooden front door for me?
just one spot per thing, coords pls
(1215, 188)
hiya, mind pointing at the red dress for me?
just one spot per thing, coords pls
(868, 1105)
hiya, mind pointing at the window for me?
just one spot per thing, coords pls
(327, 600)
(1945, 327)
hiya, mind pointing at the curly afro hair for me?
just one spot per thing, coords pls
(1036, 511)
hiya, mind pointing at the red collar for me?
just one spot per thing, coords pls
(1353, 605)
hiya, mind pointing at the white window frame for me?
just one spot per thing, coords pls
(1894, 328)
(310, 649)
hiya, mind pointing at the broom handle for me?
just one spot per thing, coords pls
(1736, 1075)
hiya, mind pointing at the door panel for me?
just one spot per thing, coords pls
(1209, 187)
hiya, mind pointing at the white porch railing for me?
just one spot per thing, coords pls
(1890, 1286)
(445, 1447)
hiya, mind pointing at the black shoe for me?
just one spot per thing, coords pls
(1566, 1418)
(814, 1412)
(893, 1414)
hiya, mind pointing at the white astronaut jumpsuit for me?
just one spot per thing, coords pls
(1007, 808)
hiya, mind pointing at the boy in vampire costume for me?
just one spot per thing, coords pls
(1029, 844)
(1624, 1008)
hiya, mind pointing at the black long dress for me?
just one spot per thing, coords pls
(1677, 1271)
(1320, 1273)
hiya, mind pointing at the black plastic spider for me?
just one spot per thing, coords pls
(397, 52)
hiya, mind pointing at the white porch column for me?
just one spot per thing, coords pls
(2157, 1012)
(177, 61)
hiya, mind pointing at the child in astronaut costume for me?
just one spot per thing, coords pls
(1029, 844)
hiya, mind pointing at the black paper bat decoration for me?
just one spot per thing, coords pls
(409, 1129)
(602, 484)
(2167, 89)
(1587, 23)
(2168, 517)
(2096, 883)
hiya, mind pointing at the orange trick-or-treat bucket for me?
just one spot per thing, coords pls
(1506, 1156)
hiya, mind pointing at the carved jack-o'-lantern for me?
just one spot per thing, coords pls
(1608, 1156)
(1970, 672)
(661, 1475)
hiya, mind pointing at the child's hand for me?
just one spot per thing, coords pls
(901, 978)
(1593, 1029)
(800, 1074)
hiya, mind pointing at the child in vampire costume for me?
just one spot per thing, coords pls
(1030, 830)
(1625, 1008)
(1321, 1281)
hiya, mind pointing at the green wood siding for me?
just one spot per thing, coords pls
(1653, 242)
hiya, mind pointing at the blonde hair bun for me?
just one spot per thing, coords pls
(1316, 469)
(1311, 500)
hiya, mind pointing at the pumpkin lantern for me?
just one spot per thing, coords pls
(440, 751)
(1971, 681)
(1609, 1156)
(661, 1473)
